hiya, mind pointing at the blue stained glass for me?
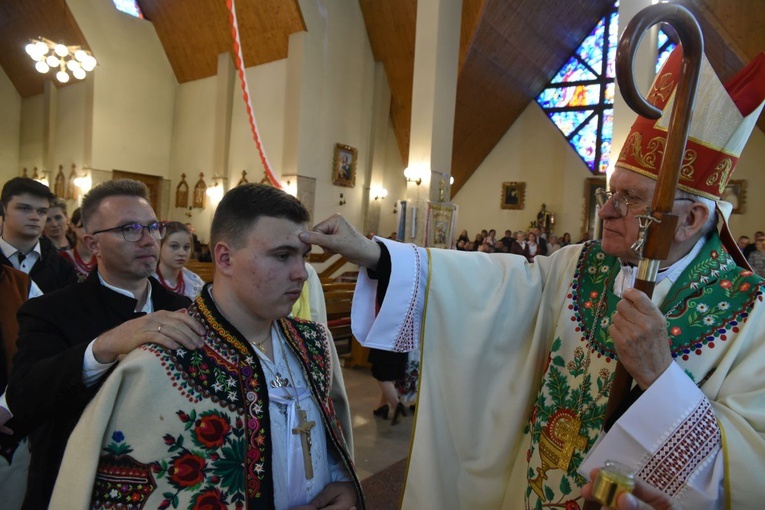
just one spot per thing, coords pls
(613, 42)
(591, 49)
(129, 7)
(606, 135)
(574, 70)
(585, 141)
(568, 121)
(589, 130)
(610, 91)
(665, 46)
(577, 95)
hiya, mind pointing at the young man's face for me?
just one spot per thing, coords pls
(25, 216)
(268, 272)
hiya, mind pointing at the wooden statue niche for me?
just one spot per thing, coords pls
(200, 192)
(182, 193)
(59, 186)
(71, 188)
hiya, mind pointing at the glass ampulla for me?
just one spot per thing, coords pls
(580, 98)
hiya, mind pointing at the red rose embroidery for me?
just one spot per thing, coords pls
(726, 284)
(211, 430)
(675, 331)
(211, 499)
(187, 470)
(572, 505)
(744, 287)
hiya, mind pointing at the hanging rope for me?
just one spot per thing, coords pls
(239, 62)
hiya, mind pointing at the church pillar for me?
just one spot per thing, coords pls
(224, 99)
(50, 114)
(374, 197)
(434, 90)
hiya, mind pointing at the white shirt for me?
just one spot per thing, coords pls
(12, 254)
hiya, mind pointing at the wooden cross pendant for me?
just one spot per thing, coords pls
(304, 429)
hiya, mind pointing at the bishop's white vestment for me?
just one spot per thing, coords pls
(517, 364)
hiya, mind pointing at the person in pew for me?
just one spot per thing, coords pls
(256, 418)
(80, 255)
(174, 254)
(69, 340)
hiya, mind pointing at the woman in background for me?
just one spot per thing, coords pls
(56, 225)
(80, 256)
(174, 253)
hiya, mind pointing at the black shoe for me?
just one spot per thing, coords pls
(382, 412)
(400, 410)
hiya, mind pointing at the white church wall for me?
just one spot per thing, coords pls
(134, 91)
(71, 121)
(750, 169)
(192, 151)
(10, 128)
(31, 133)
(532, 151)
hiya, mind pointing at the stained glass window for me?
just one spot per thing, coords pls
(580, 98)
(129, 7)
(664, 47)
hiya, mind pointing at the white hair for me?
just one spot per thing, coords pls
(711, 223)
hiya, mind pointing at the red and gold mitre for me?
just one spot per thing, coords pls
(723, 119)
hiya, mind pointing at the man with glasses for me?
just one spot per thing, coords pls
(70, 339)
(518, 358)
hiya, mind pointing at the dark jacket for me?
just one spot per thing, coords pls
(52, 271)
(46, 393)
(14, 290)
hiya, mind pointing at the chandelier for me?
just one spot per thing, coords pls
(50, 55)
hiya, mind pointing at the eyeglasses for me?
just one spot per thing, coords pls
(133, 232)
(620, 202)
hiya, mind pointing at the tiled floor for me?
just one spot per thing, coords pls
(377, 443)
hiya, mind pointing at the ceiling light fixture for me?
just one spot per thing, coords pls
(48, 55)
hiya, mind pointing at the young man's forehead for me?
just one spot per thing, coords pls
(29, 199)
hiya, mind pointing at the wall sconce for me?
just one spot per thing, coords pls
(395, 207)
(83, 183)
(215, 192)
(42, 180)
(290, 184)
(378, 193)
(342, 200)
(413, 174)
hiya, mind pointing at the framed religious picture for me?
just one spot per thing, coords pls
(513, 194)
(590, 214)
(182, 193)
(735, 193)
(344, 166)
(439, 226)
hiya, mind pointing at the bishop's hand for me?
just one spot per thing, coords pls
(336, 235)
(639, 332)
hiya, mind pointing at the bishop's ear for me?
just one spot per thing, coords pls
(691, 220)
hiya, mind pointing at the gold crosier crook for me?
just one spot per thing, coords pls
(658, 224)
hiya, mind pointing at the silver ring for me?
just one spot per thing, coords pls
(159, 329)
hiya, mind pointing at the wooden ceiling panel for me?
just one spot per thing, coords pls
(194, 32)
